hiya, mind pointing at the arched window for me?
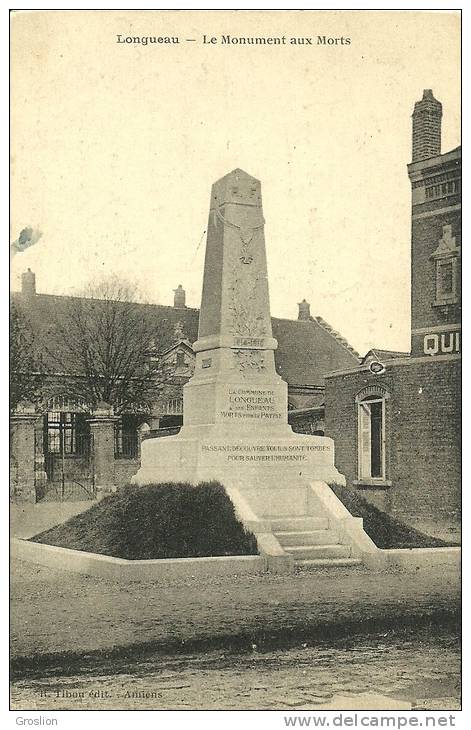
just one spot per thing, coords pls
(371, 409)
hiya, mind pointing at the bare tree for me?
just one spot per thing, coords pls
(110, 347)
(25, 365)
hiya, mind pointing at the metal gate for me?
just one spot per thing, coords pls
(61, 477)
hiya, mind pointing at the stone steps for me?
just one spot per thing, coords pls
(306, 537)
(328, 563)
(319, 552)
(311, 542)
(298, 524)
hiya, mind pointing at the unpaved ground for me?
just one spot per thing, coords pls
(54, 611)
(394, 670)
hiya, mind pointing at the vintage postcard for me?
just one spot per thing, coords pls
(235, 356)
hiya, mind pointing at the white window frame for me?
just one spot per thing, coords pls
(364, 469)
(369, 395)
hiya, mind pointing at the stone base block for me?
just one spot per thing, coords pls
(272, 470)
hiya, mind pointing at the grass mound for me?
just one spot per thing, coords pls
(157, 521)
(384, 530)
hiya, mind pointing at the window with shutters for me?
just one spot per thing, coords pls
(371, 407)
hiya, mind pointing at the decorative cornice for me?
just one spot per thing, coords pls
(424, 360)
(437, 211)
(306, 411)
(438, 160)
(438, 328)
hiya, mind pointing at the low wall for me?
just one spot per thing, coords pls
(119, 569)
(103, 566)
(419, 558)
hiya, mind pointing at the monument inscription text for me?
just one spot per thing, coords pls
(251, 403)
(265, 452)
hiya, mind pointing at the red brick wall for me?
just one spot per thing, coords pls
(422, 438)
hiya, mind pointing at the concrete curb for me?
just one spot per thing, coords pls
(126, 571)
(416, 558)
(104, 566)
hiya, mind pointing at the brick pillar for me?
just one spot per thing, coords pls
(102, 425)
(22, 424)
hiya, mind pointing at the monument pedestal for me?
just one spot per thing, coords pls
(236, 431)
(272, 470)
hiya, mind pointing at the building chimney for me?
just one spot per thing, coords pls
(179, 297)
(304, 310)
(28, 283)
(426, 127)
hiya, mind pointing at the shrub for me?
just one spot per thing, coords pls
(172, 520)
(384, 530)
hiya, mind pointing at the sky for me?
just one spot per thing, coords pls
(115, 147)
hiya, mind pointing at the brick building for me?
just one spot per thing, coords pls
(63, 448)
(395, 417)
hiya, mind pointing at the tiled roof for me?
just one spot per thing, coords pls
(45, 310)
(306, 348)
(337, 336)
(306, 351)
(383, 355)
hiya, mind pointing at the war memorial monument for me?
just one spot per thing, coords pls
(235, 414)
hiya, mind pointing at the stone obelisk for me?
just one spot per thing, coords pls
(235, 410)
(235, 385)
